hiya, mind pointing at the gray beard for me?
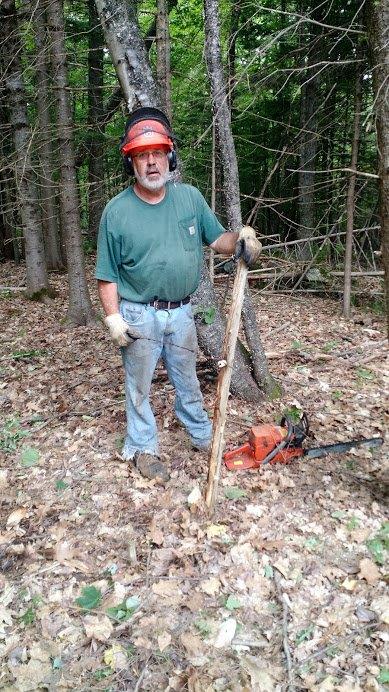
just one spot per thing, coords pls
(152, 185)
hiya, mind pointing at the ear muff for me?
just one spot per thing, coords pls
(128, 167)
(171, 157)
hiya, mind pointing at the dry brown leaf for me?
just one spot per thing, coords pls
(215, 530)
(210, 586)
(225, 634)
(195, 602)
(164, 587)
(349, 584)
(193, 644)
(98, 627)
(369, 571)
(156, 533)
(261, 676)
(16, 517)
(164, 639)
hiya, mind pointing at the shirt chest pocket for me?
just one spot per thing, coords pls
(189, 233)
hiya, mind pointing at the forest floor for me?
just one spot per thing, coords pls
(110, 582)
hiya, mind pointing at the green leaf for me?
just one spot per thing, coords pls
(268, 572)
(90, 598)
(61, 485)
(294, 413)
(383, 677)
(28, 618)
(338, 514)
(118, 612)
(304, 635)
(233, 492)
(132, 603)
(232, 603)
(336, 394)
(376, 548)
(124, 610)
(311, 543)
(365, 374)
(29, 457)
(203, 627)
(102, 673)
(207, 314)
(57, 664)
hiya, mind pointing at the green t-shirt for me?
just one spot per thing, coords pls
(155, 250)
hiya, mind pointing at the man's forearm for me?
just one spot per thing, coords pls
(225, 244)
(109, 298)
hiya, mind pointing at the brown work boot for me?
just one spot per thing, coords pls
(151, 467)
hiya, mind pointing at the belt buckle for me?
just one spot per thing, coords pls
(155, 304)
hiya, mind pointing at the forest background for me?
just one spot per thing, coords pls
(304, 106)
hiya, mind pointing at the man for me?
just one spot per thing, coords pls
(148, 265)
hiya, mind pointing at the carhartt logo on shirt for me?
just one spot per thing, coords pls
(192, 230)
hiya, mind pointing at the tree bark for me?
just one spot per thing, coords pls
(44, 140)
(96, 125)
(377, 19)
(350, 204)
(128, 52)
(163, 57)
(231, 184)
(309, 95)
(28, 198)
(80, 311)
(119, 28)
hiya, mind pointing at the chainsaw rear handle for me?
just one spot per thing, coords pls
(288, 424)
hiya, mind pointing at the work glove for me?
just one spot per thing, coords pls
(121, 332)
(248, 246)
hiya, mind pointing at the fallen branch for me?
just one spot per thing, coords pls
(285, 641)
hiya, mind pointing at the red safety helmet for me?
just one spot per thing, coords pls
(146, 134)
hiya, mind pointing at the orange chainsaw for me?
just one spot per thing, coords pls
(271, 444)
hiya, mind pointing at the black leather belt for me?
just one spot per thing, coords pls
(168, 304)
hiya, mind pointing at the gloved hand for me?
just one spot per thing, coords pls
(248, 246)
(121, 332)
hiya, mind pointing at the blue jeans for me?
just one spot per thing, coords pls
(170, 334)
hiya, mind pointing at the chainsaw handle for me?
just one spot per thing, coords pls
(290, 428)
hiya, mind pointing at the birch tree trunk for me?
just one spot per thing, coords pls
(377, 19)
(163, 57)
(122, 34)
(44, 142)
(351, 198)
(27, 191)
(231, 184)
(96, 125)
(80, 310)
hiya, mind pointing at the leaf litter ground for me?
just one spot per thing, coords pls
(109, 582)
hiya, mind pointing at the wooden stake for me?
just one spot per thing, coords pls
(223, 385)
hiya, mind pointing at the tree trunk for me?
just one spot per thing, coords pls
(28, 198)
(80, 311)
(44, 140)
(377, 18)
(308, 150)
(163, 57)
(96, 125)
(231, 183)
(350, 204)
(119, 29)
(234, 28)
(128, 52)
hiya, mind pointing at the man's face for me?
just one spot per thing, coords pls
(151, 168)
